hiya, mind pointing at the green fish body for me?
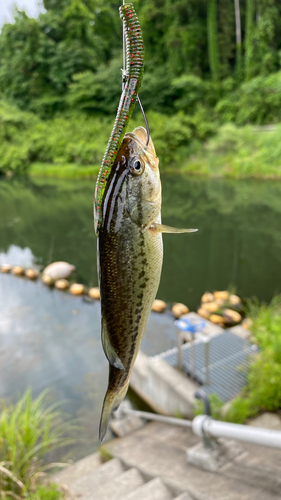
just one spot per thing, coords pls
(130, 255)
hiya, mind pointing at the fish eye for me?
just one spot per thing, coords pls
(137, 166)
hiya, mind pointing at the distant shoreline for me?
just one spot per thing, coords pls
(193, 168)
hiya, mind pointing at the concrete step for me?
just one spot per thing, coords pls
(95, 479)
(118, 488)
(153, 490)
(184, 496)
(73, 472)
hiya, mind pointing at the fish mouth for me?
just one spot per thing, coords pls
(139, 135)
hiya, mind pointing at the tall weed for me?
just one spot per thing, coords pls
(28, 431)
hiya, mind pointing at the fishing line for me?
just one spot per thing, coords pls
(124, 72)
(124, 75)
(145, 121)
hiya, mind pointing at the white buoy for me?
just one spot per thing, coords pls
(59, 270)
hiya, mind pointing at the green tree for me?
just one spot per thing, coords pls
(238, 39)
(38, 57)
(249, 38)
(213, 39)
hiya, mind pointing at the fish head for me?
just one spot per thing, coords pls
(143, 196)
(133, 188)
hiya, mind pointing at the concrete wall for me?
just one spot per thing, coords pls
(164, 388)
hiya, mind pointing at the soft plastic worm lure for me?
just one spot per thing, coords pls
(134, 64)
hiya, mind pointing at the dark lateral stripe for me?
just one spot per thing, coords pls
(109, 191)
(109, 210)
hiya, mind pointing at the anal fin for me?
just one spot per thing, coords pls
(109, 351)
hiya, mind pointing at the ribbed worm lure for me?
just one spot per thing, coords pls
(134, 74)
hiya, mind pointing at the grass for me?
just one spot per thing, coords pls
(64, 171)
(29, 430)
(44, 492)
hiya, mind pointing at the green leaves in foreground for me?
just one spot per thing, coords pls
(50, 492)
(28, 431)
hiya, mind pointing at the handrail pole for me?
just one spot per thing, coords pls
(209, 429)
(179, 346)
(205, 426)
(159, 418)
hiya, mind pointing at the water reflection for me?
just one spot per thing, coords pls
(17, 256)
(238, 242)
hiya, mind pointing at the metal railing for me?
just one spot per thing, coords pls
(207, 428)
(159, 418)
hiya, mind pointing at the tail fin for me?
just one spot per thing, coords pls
(110, 404)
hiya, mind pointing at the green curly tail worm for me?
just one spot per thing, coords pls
(134, 63)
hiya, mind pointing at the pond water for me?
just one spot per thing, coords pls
(238, 242)
(51, 339)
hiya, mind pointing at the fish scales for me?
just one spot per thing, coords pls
(127, 272)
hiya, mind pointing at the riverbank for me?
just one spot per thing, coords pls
(239, 153)
(71, 146)
(64, 171)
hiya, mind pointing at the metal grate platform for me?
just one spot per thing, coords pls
(229, 358)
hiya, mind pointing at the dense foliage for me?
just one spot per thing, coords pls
(71, 55)
(208, 62)
(81, 139)
(72, 145)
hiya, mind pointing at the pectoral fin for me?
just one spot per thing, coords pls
(161, 228)
(110, 353)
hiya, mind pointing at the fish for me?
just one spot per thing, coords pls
(130, 256)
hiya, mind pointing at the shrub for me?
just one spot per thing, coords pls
(239, 410)
(257, 101)
(81, 139)
(263, 392)
(88, 91)
(43, 492)
(14, 151)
